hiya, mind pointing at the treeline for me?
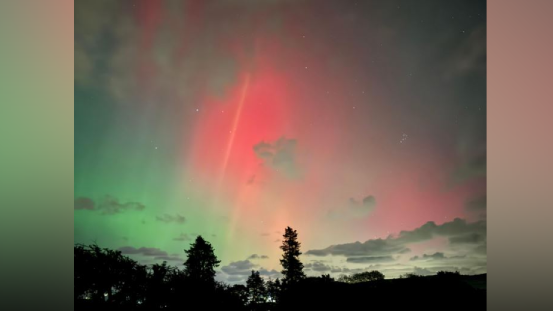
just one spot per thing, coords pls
(107, 280)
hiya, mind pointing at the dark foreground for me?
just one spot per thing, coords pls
(414, 293)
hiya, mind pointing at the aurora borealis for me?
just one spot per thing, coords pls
(346, 120)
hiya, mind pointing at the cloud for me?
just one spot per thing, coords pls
(457, 231)
(437, 255)
(241, 267)
(145, 251)
(166, 218)
(182, 237)
(470, 238)
(153, 254)
(84, 203)
(318, 266)
(265, 234)
(369, 201)
(455, 228)
(370, 259)
(279, 155)
(270, 273)
(255, 256)
(370, 247)
(107, 206)
(238, 271)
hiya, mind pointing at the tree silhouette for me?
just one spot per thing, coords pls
(327, 278)
(274, 289)
(241, 292)
(107, 280)
(291, 264)
(158, 288)
(256, 288)
(106, 276)
(201, 262)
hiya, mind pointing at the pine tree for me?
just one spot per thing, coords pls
(256, 288)
(201, 262)
(292, 266)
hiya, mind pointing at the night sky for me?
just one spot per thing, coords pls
(361, 124)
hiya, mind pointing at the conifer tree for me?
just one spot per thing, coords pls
(291, 264)
(201, 262)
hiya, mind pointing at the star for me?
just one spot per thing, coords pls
(156, 148)
(197, 109)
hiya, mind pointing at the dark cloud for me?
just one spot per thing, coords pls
(107, 206)
(457, 227)
(456, 231)
(370, 259)
(369, 201)
(470, 238)
(242, 267)
(256, 256)
(84, 203)
(318, 266)
(279, 155)
(145, 251)
(238, 271)
(166, 218)
(437, 255)
(371, 247)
